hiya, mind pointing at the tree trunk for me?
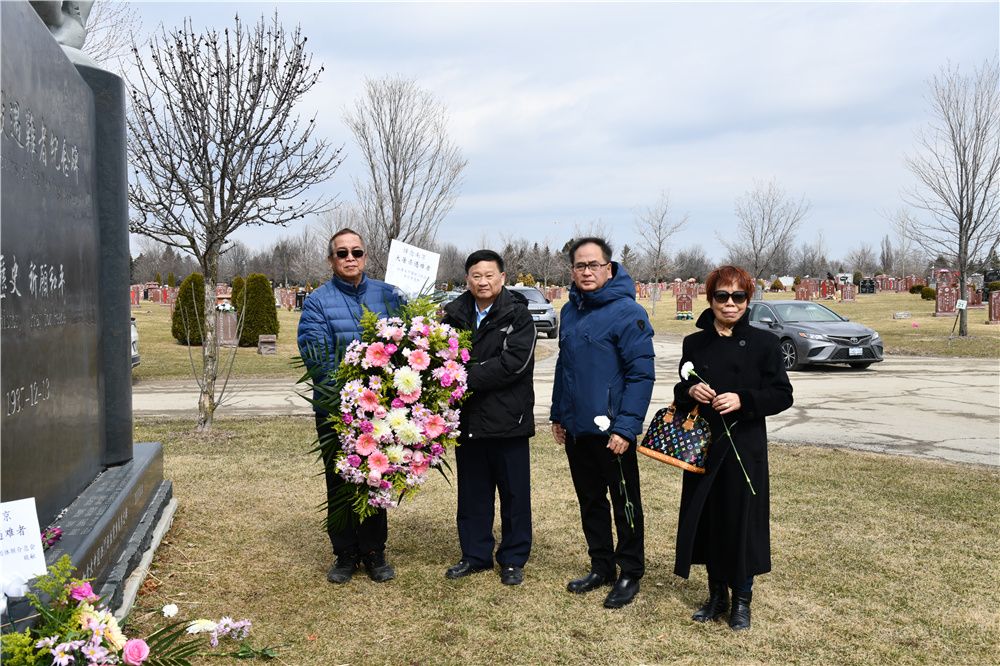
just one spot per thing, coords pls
(209, 346)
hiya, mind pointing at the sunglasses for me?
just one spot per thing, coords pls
(356, 253)
(722, 297)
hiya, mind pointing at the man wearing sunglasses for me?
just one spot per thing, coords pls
(331, 320)
(603, 384)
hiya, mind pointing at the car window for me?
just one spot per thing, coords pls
(805, 311)
(758, 312)
(533, 295)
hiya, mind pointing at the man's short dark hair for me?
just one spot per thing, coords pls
(483, 255)
(343, 232)
(599, 242)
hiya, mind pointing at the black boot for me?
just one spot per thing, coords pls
(739, 619)
(378, 569)
(717, 604)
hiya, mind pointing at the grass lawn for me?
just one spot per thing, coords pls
(922, 335)
(877, 559)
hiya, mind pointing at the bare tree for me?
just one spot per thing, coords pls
(412, 169)
(861, 258)
(811, 258)
(887, 258)
(216, 146)
(957, 168)
(110, 25)
(451, 267)
(235, 260)
(656, 226)
(909, 257)
(692, 263)
(768, 220)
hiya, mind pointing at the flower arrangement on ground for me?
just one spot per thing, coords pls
(74, 627)
(394, 404)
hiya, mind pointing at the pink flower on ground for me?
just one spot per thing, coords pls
(465, 356)
(368, 400)
(366, 445)
(410, 398)
(136, 651)
(378, 462)
(435, 426)
(419, 360)
(377, 355)
(82, 592)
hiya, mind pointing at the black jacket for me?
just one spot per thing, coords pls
(502, 395)
(721, 523)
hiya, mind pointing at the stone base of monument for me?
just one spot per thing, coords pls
(109, 526)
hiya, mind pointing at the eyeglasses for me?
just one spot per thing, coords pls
(357, 253)
(592, 266)
(722, 297)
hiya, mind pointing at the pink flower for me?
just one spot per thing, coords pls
(390, 349)
(369, 400)
(453, 343)
(436, 449)
(354, 460)
(82, 592)
(397, 333)
(419, 360)
(465, 356)
(435, 426)
(374, 479)
(397, 403)
(447, 379)
(420, 464)
(347, 418)
(378, 462)
(458, 393)
(136, 651)
(366, 426)
(410, 398)
(380, 412)
(366, 445)
(377, 355)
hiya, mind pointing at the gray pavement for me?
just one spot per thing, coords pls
(947, 409)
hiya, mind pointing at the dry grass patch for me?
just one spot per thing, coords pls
(930, 336)
(877, 559)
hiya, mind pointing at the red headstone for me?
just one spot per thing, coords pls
(847, 293)
(994, 307)
(947, 297)
(225, 328)
(802, 293)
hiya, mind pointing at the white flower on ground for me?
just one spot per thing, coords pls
(201, 626)
(170, 610)
(602, 422)
(687, 370)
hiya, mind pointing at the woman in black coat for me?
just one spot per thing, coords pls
(723, 524)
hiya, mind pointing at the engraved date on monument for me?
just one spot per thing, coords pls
(23, 398)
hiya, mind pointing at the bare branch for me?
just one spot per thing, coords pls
(768, 220)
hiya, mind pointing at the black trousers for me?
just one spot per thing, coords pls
(596, 472)
(485, 467)
(353, 541)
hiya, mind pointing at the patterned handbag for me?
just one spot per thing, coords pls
(678, 439)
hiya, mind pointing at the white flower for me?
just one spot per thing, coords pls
(396, 417)
(201, 626)
(394, 453)
(381, 429)
(406, 380)
(170, 610)
(602, 422)
(687, 370)
(409, 433)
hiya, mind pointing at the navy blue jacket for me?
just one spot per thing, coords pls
(331, 319)
(605, 364)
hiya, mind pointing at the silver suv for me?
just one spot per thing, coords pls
(542, 312)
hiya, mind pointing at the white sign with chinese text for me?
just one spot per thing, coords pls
(411, 269)
(961, 305)
(21, 553)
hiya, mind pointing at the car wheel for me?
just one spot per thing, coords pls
(553, 333)
(861, 366)
(789, 355)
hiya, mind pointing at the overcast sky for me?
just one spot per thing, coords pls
(570, 112)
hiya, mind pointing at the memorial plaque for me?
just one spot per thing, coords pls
(847, 293)
(802, 293)
(52, 387)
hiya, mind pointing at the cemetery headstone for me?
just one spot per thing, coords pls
(267, 345)
(802, 293)
(994, 308)
(947, 298)
(847, 293)
(66, 422)
(684, 307)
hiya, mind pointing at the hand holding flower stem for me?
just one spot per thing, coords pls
(687, 371)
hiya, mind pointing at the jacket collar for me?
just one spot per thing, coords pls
(620, 285)
(463, 308)
(348, 288)
(706, 322)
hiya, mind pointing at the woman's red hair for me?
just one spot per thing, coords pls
(727, 275)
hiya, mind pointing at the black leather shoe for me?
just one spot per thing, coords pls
(342, 570)
(739, 619)
(622, 593)
(591, 581)
(462, 569)
(511, 575)
(717, 604)
(378, 569)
